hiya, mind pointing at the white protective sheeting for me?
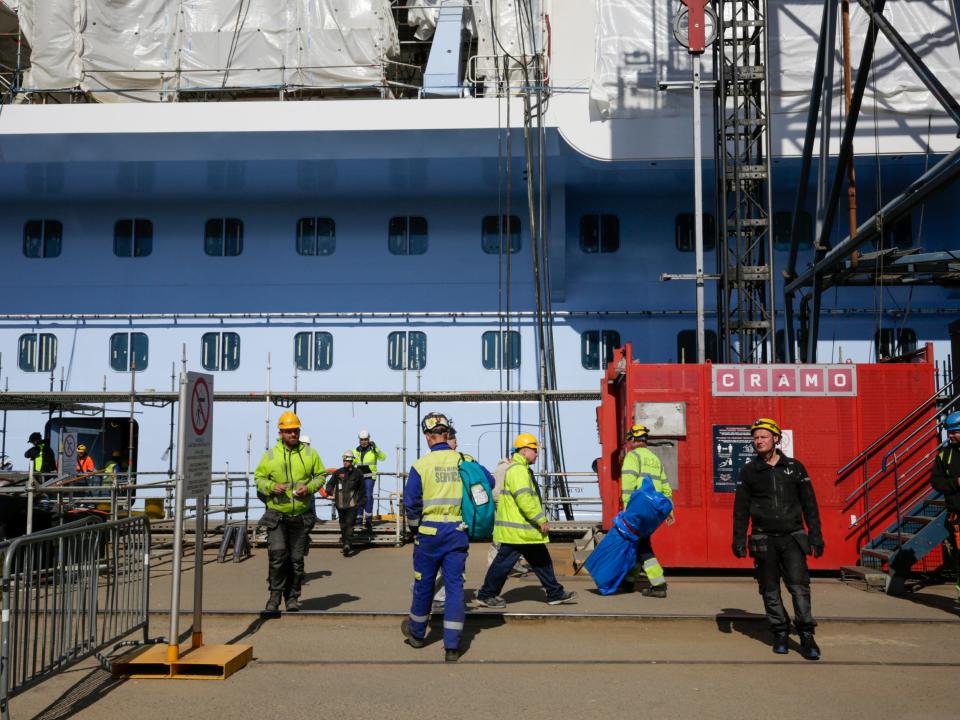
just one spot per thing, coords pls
(133, 49)
(129, 48)
(635, 47)
(341, 42)
(50, 27)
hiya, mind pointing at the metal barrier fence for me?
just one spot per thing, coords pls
(67, 593)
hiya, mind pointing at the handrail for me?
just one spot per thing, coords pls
(906, 420)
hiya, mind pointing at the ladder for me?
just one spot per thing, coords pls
(745, 256)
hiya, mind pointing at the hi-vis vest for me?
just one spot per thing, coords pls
(281, 466)
(442, 487)
(368, 457)
(519, 510)
(639, 462)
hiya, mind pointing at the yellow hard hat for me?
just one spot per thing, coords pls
(766, 424)
(637, 432)
(526, 440)
(81, 448)
(288, 421)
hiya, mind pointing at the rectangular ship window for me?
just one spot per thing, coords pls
(42, 238)
(416, 349)
(500, 350)
(316, 236)
(223, 237)
(407, 235)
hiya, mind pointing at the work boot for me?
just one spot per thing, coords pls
(808, 646)
(451, 655)
(273, 604)
(346, 550)
(657, 591)
(412, 641)
(293, 604)
(494, 602)
(566, 599)
(781, 642)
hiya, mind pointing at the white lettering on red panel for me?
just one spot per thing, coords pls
(811, 380)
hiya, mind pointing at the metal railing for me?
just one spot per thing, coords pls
(905, 463)
(67, 593)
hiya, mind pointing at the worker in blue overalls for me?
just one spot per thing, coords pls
(431, 498)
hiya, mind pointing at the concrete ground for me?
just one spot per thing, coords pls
(704, 651)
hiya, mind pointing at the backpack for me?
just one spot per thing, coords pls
(477, 506)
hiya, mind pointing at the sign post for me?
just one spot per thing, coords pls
(194, 470)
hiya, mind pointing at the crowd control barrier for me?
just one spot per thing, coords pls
(67, 593)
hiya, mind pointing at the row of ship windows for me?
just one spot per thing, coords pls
(408, 235)
(499, 349)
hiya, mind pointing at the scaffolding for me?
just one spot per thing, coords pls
(840, 265)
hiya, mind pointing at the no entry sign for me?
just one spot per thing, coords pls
(196, 434)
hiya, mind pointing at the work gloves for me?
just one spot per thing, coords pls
(739, 549)
(817, 548)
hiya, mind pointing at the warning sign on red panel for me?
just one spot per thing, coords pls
(812, 380)
(196, 434)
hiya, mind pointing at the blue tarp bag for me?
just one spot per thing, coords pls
(477, 505)
(616, 554)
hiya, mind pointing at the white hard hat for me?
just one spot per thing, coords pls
(364, 435)
(305, 439)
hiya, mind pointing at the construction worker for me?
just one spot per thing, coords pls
(945, 478)
(431, 498)
(346, 487)
(85, 464)
(287, 476)
(366, 456)
(40, 454)
(639, 460)
(521, 528)
(775, 497)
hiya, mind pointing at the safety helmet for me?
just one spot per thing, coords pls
(288, 421)
(35, 437)
(434, 422)
(364, 435)
(953, 422)
(305, 439)
(526, 440)
(81, 448)
(766, 424)
(638, 432)
(348, 455)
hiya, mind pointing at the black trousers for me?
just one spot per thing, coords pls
(348, 519)
(288, 538)
(785, 559)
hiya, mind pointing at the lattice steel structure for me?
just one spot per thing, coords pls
(746, 315)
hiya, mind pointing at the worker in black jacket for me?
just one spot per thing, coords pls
(775, 496)
(945, 479)
(41, 456)
(346, 487)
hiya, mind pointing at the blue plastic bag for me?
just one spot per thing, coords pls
(616, 554)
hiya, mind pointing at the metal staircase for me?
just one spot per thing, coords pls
(901, 517)
(898, 548)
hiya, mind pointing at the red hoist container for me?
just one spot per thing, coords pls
(699, 418)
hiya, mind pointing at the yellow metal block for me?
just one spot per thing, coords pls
(210, 662)
(143, 663)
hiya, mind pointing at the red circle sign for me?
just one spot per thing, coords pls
(200, 406)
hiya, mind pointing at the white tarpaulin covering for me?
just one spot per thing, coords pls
(635, 47)
(138, 46)
(424, 17)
